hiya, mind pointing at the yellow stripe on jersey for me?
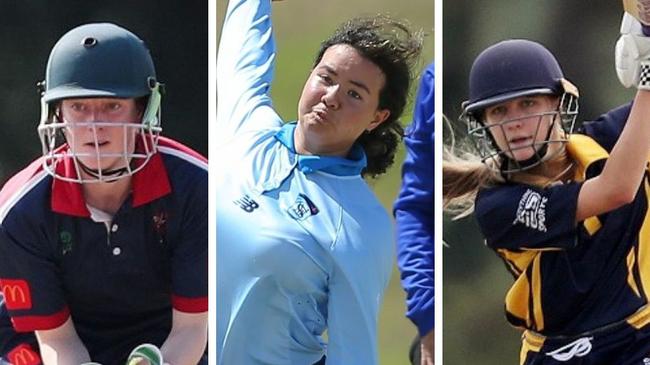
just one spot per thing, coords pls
(630, 272)
(538, 313)
(640, 318)
(528, 285)
(592, 225)
(530, 342)
(643, 259)
(584, 151)
(518, 261)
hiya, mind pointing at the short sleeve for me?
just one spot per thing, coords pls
(29, 277)
(524, 217)
(190, 256)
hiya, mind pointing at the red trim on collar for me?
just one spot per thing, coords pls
(147, 185)
(39, 323)
(151, 182)
(68, 197)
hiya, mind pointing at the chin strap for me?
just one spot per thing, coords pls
(104, 173)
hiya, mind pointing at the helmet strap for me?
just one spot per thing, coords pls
(115, 173)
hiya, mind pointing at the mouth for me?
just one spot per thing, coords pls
(520, 142)
(99, 144)
(321, 114)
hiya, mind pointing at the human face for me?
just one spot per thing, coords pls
(520, 126)
(101, 131)
(339, 102)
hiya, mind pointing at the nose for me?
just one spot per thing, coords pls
(330, 97)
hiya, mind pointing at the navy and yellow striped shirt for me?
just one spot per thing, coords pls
(570, 278)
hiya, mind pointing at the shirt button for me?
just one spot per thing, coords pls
(114, 228)
(117, 251)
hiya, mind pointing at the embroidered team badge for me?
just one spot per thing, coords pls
(159, 221)
(303, 208)
(65, 242)
(531, 211)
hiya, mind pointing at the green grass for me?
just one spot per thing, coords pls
(300, 26)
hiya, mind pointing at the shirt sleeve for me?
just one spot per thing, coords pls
(29, 279)
(414, 210)
(516, 216)
(190, 257)
(608, 127)
(245, 70)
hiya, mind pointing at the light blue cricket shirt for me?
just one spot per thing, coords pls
(303, 245)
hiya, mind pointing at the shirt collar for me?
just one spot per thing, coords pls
(351, 166)
(147, 185)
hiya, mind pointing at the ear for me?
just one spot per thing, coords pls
(380, 117)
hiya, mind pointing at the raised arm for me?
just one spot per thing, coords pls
(414, 210)
(245, 70)
(621, 177)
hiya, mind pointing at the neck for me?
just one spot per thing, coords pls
(306, 146)
(107, 197)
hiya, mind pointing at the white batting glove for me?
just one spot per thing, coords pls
(633, 55)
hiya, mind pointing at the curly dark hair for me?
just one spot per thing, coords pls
(394, 48)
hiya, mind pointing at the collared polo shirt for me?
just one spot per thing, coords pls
(120, 280)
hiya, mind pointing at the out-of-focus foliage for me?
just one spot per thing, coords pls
(581, 35)
(300, 26)
(175, 31)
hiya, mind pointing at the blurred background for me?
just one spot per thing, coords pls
(582, 35)
(176, 33)
(300, 27)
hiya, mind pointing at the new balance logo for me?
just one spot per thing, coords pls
(247, 204)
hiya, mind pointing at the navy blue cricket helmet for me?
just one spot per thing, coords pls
(511, 69)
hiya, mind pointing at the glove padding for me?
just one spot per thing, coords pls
(147, 354)
(632, 52)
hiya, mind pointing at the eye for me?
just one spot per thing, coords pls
(326, 79)
(528, 102)
(77, 107)
(114, 106)
(498, 111)
(355, 95)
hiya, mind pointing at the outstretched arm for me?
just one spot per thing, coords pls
(245, 69)
(414, 210)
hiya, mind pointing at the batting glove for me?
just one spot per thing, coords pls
(633, 54)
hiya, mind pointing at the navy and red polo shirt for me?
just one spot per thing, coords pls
(118, 279)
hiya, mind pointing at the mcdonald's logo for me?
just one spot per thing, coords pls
(16, 293)
(23, 354)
